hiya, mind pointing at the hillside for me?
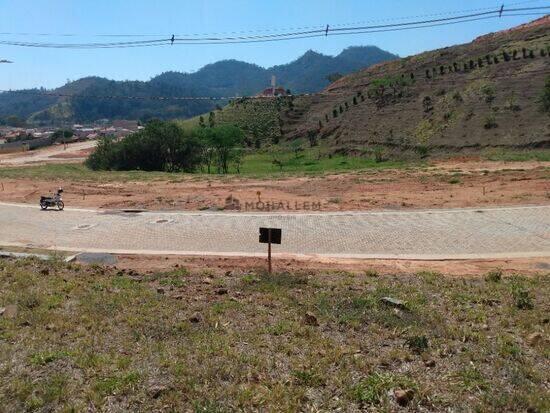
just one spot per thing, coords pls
(485, 93)
(306, 74)
(481, 94)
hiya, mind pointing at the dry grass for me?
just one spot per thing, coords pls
(91, 338)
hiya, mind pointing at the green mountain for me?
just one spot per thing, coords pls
(306, 74)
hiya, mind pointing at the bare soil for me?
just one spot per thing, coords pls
(221, 265)
(459, 182)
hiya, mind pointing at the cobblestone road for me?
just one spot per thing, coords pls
(435, 234)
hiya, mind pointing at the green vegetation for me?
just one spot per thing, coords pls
(77, 338)
(165, 146)
(253, 164)
(517, 155)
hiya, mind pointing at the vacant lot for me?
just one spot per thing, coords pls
(459, 182)
(77, 338)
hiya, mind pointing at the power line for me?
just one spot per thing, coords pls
(263, 30)
(323, 32)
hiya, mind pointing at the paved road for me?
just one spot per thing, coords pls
(434, 234)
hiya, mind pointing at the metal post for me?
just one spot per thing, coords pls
(269, 250)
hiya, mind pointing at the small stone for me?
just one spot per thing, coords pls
(532, 409)
(160, 290)
(178, 297)
(534, 339)
(50, 327)
(228, 273)
(394, 302)
(429, 363)
(207, 281)
(403, 397)
(196, 318)
(310, 319)
(9, 311)
(221, 291)
(44, 271)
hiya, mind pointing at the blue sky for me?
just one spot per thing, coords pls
(87, 18)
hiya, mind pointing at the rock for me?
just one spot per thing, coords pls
(155, 391)
(534, 339)
(394, 302)
(9, 311)
(228, 273)
(403, 397)
(207, 281)
(532, 409)
(196, 318)
(160, 290)
(44, 271)
(429, 363)
(221, 291)
(310, 319)
(178, 297)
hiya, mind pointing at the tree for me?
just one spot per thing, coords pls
(223, 144)
(15, 121)
(201, 122)
(211, 119)
(544, 99)
(160, 146)
(61, 135)
(296, 146)
(312, 137)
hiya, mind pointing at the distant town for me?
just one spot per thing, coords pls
(13, 139)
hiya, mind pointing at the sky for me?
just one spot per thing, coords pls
(86, 19)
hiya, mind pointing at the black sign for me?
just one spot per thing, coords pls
(272, 235)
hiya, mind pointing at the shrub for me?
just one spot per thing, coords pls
(165, 146)
(490, 122)
(544, 99)
(494, 275)
(417, 343)
(379, 154)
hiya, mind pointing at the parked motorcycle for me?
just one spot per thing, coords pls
(53, 201)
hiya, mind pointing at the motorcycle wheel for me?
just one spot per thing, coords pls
(43, 205)
(60, 205)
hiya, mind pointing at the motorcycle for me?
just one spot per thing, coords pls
(52, 201)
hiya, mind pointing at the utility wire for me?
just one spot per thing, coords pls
(263, 30)
(322, 32)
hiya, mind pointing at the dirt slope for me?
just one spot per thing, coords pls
(481, 94)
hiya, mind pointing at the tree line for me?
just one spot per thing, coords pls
(167, 146)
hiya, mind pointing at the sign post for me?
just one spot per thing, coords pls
(270, 236)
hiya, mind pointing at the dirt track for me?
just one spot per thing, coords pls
(74, 152)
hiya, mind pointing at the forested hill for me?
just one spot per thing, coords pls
(225, 78)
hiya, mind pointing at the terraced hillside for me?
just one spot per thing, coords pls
(482, 94)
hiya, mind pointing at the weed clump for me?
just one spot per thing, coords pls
(494, 275)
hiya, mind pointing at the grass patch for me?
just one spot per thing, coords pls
(96, 338)
(511, 155)
(255, 164)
